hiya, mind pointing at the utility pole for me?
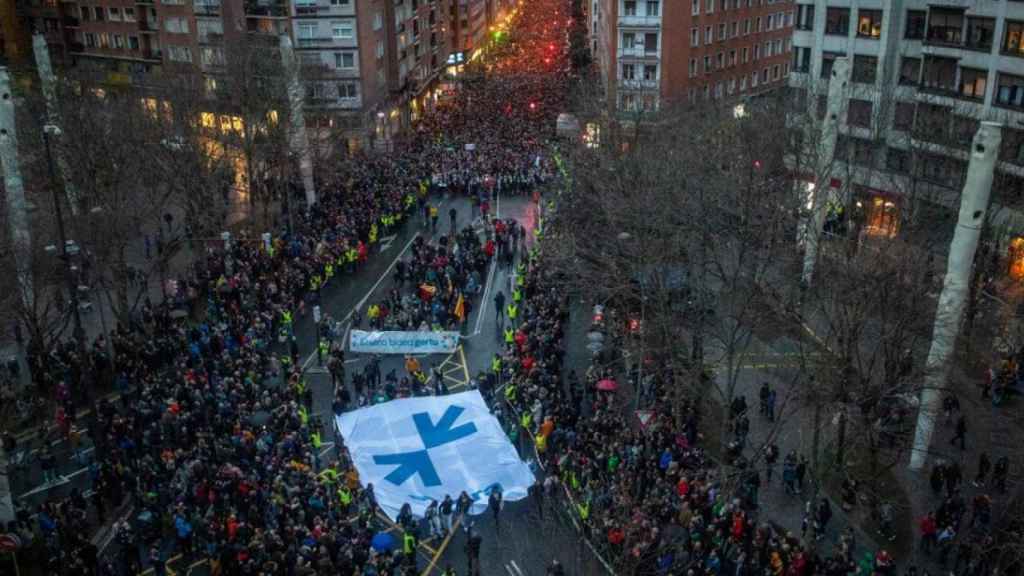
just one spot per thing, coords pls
(973, 206)
(49, 82)
(17, 209)
(65, 255)
(298, 139)
(817, 192)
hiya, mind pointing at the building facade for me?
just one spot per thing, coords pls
(923, 75)
(656, 52)
(369, 66)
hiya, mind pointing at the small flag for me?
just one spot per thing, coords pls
(460, 309)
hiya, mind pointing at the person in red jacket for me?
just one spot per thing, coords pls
(929, 529)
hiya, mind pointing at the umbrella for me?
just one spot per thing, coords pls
(383, 542)
(607, 385)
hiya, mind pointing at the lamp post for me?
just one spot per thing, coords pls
(67, 247)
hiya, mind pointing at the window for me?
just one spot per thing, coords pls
(694, 37)
(629, 8)
(980, 32)
(342, 30)
(827, 60)
(339, 2)
(720, 61)
(207, 27)
(86, 14)
(767, 49)
(858, 113)
(650, 72)
(910, 71)
(133, 42)
(1013, 146)
(708, 35)
(734, 29)
(903, 116)
(945, 26)
(940, 74)
(757, 52)
(378, 21)
(114, 14)
(1013, 43)
(628, 40)
(776, 72)
(98, 11)
(731, 87)
(746, 26)
(118, 41)
(650, 43)
(348, 90)
(695, 8)
(869, 23)
(129, 13)
(709, 6)
(837, 21)
(176, 25)
(211, 56)
(628, 72)
(1011, 91)
(753, 80)
(802, 59)
(344, 60)
(178, 53)
(707, 64)
(757, 24)
(864, 68)
(746, 54)
(307, 32)
(103, 39)
(973, 83)
(732, 57)
(653, 7)
(721, 32)
(743, 83)
(805, 16)
(380, 49)
(90, 40)
(693, 67)
(897, 160)
(915, 24)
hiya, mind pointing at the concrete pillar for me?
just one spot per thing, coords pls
(973, 205)
(298, 139)
(817, 192)
(21, 237)
(49, 82)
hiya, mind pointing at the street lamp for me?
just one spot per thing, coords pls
(68, 248)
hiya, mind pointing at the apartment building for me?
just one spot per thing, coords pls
(655, 52)
(923, 74)
(369, 65)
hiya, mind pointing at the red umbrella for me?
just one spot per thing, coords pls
(608, 385)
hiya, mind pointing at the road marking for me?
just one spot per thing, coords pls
(441, 548)
(485, 300)
(385, 242)
(366, 297)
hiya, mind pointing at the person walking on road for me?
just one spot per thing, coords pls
(452, 217)
(494, 503)
(499, 308)
(446, 513)
(473, 553)
(961, 432)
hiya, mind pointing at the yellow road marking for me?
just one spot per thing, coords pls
(441, 549)
(167, 567)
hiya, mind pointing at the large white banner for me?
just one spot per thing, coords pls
(416, 450)
(395, 342)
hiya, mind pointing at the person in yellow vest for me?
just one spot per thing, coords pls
(372, 314)
(517, 295)
(329, 271)
(344, 498)
(323, 348)
(584, 509)
(526, 420)
(314, 439)
(409, 547)
(314, 284)
(330, 475)
(373, 233)
(510, 393)
(286, 317)
(541, 442)
(512, 312)
(496, 364)
(510, 337)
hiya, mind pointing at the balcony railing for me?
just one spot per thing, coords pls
(266, 9)
(152, 54)
(945, 35)
(207, 8)
(321, 41)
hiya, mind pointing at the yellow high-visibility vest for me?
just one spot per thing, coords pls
(286, 317)
(512, 311)
(496, 365)
(510, 336)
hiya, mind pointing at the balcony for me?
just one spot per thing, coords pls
(265, 9)
(638, 52)
(153, 54)
(314, 42)
(144, 2)
(640, 21)
(637, 84)
(211, 38)
(309, 9)
(76, 47)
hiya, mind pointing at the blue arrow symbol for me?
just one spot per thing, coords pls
(409, 464)
(442, 433)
